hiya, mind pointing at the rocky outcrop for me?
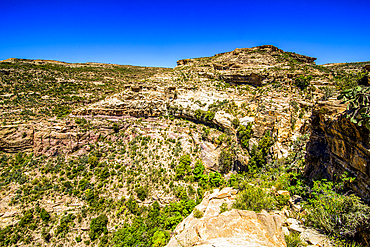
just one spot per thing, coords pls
(50, 139)
(230, 228)
(337, 146)
(16, 138)
(252, 79)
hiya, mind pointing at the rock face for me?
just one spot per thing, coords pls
(16, 138)
(230, 228)
(337, 146)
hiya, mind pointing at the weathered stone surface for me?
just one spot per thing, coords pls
(252, 79)
(16, 138)
(337, 146)
(231, 228)
(316, 238)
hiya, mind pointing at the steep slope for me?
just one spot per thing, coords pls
(99, 154)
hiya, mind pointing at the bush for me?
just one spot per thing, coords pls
(226, 161)
(98, 226)
(254, 198)
(294, 240)
(215, 179)
(183, 168)
(45, 234)
(303, 82)
(93, 161)
(142, 193)
(339, 215)
(116, 127)
(244, 134)
(236, 122)
(197, 213)
(198, 170)
(259, 153)
(223, 208)
(160, 238)
(44, 215)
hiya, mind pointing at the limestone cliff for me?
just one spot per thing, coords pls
(337, 146)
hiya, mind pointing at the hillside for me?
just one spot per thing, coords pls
(111, 155)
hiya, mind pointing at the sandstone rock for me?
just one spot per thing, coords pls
(336, 146)
(294, 203)
(231, 228)
(209, 155)
(14, 139)
(316, 238)
(246, 120)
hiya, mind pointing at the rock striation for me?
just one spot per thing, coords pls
(230, 228)
(337, 146)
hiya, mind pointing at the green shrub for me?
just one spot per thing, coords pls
(259, 153)
(93, 161)
(115, 127)
(142, 192)
(215, 179)
(197, 213)
(44, 215)
(358, 100)
(254, 198)
(302, 81)
(338, 215)
(98, 226)
(226, 161)
(204, 115)
(183, 168)
(236, 122)
(198, 170)
(223, 208)
(160, 238)
(294, 240)
(45, 234)
(244, 134)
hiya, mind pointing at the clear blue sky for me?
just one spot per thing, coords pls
(158, 33)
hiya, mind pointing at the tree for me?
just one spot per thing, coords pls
(198, 170)
(98, 226)
(183, 168)
(44, 215)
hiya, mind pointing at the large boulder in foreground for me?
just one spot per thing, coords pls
(230, 228)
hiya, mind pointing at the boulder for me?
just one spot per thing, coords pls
(230, 228)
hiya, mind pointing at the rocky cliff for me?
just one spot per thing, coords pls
(138, 146)
(338, 146)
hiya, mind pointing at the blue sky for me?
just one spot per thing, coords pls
(158, 33)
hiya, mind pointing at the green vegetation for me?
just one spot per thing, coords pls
(358, 100)
(41, 90)
(98, 226)
(197, 213)
(255, 198)
(244, 134)
(259, 153)
(303, 82)
(183, 168)
(131, 181)
(343, 216)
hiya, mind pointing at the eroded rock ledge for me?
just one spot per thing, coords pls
(337, 146)
(230, 228)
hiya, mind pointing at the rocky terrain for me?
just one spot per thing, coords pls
(112, 155)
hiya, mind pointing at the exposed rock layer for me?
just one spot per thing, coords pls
(230, 228)
(337, 146)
